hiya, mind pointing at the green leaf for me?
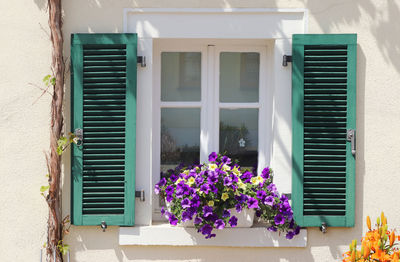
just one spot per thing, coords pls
(44, 188)
(53, 81)
(46, 79)
(59, 150)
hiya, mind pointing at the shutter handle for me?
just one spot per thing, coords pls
(351, 137)
(79, 135)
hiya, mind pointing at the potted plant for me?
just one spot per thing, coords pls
(220, 194)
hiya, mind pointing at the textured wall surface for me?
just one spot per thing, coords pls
(24, 126)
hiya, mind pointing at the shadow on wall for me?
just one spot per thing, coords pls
(379, 18)
(382, 17)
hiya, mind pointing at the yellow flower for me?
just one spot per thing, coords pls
(186, 172)
(236, 171)
(179, 180)
(212, 167)
(190, 181)
(211, 203)
(225, 167)
(224, 196)
(241, 185)
(253, 180)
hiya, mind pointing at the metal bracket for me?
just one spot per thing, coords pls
(103, 225)
(323, 228)
(286, 59)
(141, 60)
(140, 195)
(351, 137)
(79, 134)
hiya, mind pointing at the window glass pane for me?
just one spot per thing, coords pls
(180, 137)
(238, 135)
(239, 77)
(180, 76)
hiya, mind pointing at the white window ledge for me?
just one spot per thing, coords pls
(166, 235)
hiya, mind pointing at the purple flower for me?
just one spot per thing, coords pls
(207, 211)
(269, 200)
(238, 208)
(169, 198)
(197, 220)
(169, 190)
(226, 160)
(185, 203)
(265, 173)
(212, 177)
(258, 213)
(195, 202)
(157, 189)
(226, 213)
(186, 215)
(212, 157)
(297, 230)
(227, 181)
(252, 203)
(290, 235)
(272, 229)
(173, 220)
(162, 210)
(199, 180)
(214, 189)
(206, 229)
(261, 194)
(219, 224)
(233, 221)
(241, 199)
(162, 182)
(173, 178)
(246, 177)
(205, 188)
(279, 219)
(271, 187)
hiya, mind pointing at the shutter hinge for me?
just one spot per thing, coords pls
(351, 137)
(140, 195)
(103, 225)
(286, 59)
(141, 60)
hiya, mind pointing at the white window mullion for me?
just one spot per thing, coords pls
(205, 131)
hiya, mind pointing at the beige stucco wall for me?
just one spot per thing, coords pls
(25, 58)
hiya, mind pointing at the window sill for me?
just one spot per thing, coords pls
(166, 235)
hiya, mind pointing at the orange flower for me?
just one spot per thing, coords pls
(369, 223)
(392, 237)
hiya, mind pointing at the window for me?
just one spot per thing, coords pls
(210, 96)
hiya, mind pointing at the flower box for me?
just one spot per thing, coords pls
(220, 194)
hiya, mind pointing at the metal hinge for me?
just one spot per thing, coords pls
(140, 195)
(351, 137)
(286, 59)
(79, 135)
(141, 60)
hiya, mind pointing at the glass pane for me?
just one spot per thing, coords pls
(239, 77)
(180, 76)
(238, 135)
(180, 137)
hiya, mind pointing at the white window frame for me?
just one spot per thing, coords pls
(275, 25)
(209, 104)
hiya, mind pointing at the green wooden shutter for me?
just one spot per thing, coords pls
(103, 77)
(323, 109)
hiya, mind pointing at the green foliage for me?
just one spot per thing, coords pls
(49, 80)
(44, 188)
(62, 247)
(63, 142)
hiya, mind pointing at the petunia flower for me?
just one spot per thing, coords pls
(233, 221)
(224, 196)
(252, 203)
(279, 219)
(212, 157)
(290, 235)
(185, 203)
(219, 224)
(269, 200)
(238, 208)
